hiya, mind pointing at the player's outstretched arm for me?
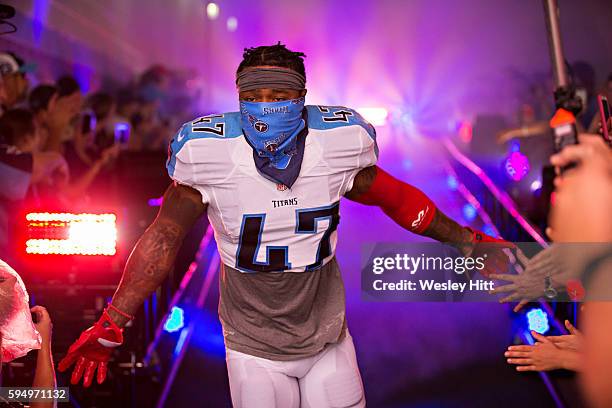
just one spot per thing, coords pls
(406, 205)
(147, 267)
(412, 209)
(154, 254)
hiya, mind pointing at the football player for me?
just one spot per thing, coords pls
(270, 178)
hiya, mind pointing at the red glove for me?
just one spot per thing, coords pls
(92, 350)
(493, 250)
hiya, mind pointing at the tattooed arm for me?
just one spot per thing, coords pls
(154, 254)
(406, 205)
(444, 229)
(147, 267)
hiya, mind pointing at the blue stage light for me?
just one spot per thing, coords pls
(451, 182)
(489, 230)
(210, 338)
(175, 321)
(515, 146)
(537, 320)
(469, 212)
(181, 341)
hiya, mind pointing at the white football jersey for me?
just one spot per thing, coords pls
(262, 226)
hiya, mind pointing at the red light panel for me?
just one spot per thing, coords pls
(71, 234)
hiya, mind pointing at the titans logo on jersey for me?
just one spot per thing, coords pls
(258, 226)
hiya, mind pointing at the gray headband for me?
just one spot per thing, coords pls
(275, 78)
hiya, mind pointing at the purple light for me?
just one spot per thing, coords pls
(122, 126)
(84, 74)
(155, 202)
(39, 19)
(517, 166)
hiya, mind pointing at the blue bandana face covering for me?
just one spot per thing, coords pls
(271, 128)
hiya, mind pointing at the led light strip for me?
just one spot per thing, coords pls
(88, 234)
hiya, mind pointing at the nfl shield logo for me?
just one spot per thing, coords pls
(281, 187)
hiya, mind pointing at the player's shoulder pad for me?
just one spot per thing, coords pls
(331, 117)
(212, 127)
(220, 126)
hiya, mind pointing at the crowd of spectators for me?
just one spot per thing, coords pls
(55, 140)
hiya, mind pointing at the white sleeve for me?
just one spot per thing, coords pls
(181, 166)
(184, 171)
(367, 156)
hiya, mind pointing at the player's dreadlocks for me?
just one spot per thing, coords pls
(277, 55)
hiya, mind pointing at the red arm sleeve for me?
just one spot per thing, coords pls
(405, 204)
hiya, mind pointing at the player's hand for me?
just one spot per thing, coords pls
(92, 351)
(542, 356)
(494, 250)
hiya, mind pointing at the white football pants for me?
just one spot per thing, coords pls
(329, 379)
